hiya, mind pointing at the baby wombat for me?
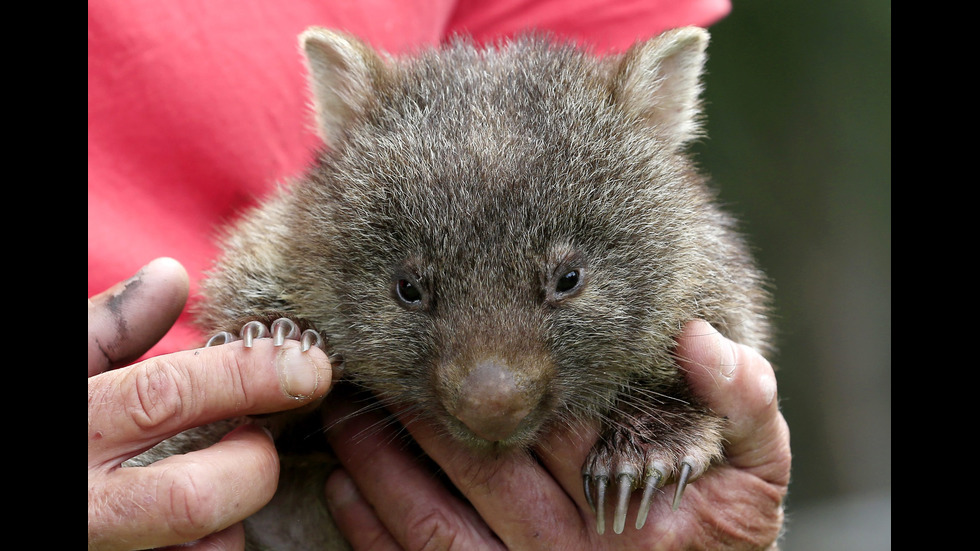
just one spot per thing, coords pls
(507, 239)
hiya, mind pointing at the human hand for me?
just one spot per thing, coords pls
(204, 494)
(385, 499)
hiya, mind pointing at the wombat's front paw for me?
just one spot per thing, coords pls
(280, 329)
(637, 455)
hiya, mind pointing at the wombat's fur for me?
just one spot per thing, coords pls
(510, 238)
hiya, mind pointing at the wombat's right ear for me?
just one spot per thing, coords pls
(342, 74)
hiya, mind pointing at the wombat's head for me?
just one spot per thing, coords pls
(502, 237)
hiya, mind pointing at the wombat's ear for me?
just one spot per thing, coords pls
(342, 73)
(660, 81)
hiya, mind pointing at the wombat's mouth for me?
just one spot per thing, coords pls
(523, 435)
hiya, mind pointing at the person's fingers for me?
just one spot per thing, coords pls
(133, 408)
(563, 452)
(737, 382)
(357, 519)
(127, 319)
(520, 500)
(412, 509)
(184, 497)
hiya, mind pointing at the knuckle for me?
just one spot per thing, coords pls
(230, 372)
(164, 394)
(235, 371)
(191, 501)
(752, 522)
(161, 393)
(480, 476)
(376, 540)
(430, 530)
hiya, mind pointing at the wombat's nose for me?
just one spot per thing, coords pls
(491, 403)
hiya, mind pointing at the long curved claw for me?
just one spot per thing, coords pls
(253, 330)
(655, 479)
(309, 339)
(222, 337)
(622, 501)
(602, 482)
(681, 483)
(282, 329)
(587, 484)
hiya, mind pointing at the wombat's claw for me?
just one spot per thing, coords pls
(654, 480)
(222, 337)
(309, 339)
(253, 330)
(600, 497)
(625, 489)
(282, 329)
(587, 483)
(604, 474)
(682, 482)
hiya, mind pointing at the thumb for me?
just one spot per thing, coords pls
(735, 381)
(128, 318)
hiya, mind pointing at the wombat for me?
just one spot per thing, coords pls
(507, 238)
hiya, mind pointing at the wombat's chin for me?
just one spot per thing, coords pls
(521, 438)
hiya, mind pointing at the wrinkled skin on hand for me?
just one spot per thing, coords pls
(196, 497)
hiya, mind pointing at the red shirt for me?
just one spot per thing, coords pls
(197, 109)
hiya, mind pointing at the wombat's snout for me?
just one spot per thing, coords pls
(491, 401)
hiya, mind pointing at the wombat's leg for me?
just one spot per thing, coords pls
(670, 441)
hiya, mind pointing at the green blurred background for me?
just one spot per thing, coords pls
(798, 106)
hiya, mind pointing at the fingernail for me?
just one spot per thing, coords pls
(298, 373)
(768, 385)
(267, 431)
(341, 490)
(728, 363)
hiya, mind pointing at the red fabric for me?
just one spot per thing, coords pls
(603, 25)
(195, 109)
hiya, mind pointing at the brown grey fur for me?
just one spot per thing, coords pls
(482, 176)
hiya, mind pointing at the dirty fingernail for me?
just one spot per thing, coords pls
(298, 373)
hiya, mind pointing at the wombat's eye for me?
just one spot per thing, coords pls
(408, 292)
(568, 281)
(564, 275)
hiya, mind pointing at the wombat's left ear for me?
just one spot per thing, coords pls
(659, 81)
(342, 74)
